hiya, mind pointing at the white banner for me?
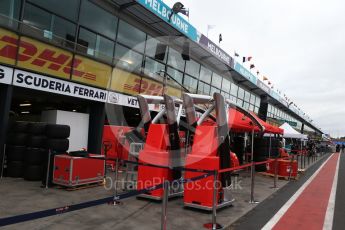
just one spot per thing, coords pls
(6, 74)
(130, 101)
(47, 84)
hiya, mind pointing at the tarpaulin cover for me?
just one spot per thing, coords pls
(238, 122)
(269, 128)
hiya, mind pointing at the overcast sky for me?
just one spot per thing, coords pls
(298, 45)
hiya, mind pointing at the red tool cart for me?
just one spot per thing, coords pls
(71, 171)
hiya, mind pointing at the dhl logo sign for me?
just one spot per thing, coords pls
(40, 57)
(133, 84)
(43, 58)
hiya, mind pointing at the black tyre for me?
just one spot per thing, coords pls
(35, 156)
(19, 139)
(15, 169)
(33, 172)
(58, 131)
(37, 141)
(15, 153)
(58, 145)
(37, 128)
(20, 127)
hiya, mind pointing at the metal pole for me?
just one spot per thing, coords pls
(275, 173)
(291, 162)
(48, 169)
(116, 175)
(252, 173)
(269, 150)
(214, 203)
(3, 161)
(214, 225)
(164, 205)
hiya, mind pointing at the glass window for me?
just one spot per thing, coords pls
(63, 28)
(204, 88)
(252, 99)
(190, 83)
(176, 75)
(151, 46)
(95, 45)
(234, 89)
(217, 81)
(226, 85)
(225, 95)
(246, 105)
(37, 18)
(246, 96)
(131, 36)
(239, 102)
(256, 110)
(65, 8)
(175, 59)
(97, 19)
(192, 68)
(128, 59)
(205, 74)
(240, 94)
(49, 23)
(251, 107)
(11, 9)
(152, 67)
(233, 99)
(257, 101)
(214, 90)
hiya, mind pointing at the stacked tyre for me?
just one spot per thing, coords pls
(57, 143)
(262, 150)
(16, 148)
(36, 152)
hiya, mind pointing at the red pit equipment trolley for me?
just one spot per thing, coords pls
(210, 150)
(162, 146)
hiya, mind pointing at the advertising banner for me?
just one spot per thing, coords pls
(215, 50)
(52, 85)
(44, 58)
(263, 86)
(8, 47)
(6, 75)
(91, 72)
(245, 73)
(130, 83)
(163, 11)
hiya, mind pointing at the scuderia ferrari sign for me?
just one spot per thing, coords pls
(6, 75)
(47, 84)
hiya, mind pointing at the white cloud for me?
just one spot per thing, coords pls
(299, 45)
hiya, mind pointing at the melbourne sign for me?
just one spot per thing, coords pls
(163, 11)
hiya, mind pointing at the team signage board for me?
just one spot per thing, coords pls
(245, 73)
(6, 74)
(48, 84)
(124, 100)
(263, 86)
(215, 50)
(163, 11)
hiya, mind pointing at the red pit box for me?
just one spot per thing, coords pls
(285, 166)
(72, 171)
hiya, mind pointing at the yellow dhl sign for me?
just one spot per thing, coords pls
(129, 83)
(47, 59)
(44, 58)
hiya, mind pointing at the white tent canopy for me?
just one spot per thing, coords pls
(290, 132)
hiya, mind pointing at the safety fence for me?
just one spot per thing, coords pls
(165, 186)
